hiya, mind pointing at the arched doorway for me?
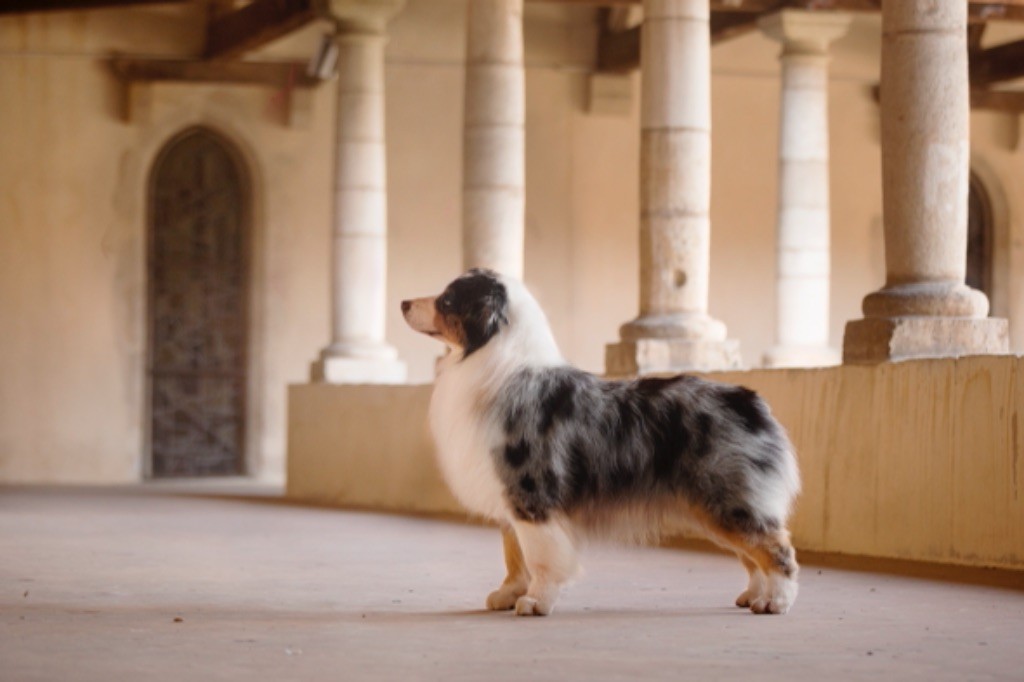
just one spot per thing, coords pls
(198, 242)
(979, 237)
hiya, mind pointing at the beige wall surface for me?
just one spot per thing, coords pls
(72, 210)
(73, 187)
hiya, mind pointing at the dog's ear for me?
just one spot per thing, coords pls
(495, 310)
(489, 312)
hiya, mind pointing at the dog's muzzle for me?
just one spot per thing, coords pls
(420, 314)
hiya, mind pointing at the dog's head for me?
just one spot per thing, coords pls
(471, 311)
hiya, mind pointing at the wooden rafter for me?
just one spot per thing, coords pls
(256, 24)
(620, 50)
(975, 32)
(271, 74)
(757, 5)
(998, 100)
(29, 6)
(996, 64)
(726, 25)
(979, 10)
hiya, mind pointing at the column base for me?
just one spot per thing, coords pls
(382, 367)
(888, 339)
(802, 356)
(649, 356)
(926, 299)
(675, 327)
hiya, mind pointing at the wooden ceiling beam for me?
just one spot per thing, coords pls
(31, 6)
(996, 64)
(726, 25)
(270, 74)
(255, 25)
(998, 100)
(618, 50)
(979, 10)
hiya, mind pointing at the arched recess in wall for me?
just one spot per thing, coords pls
(979, 237)
(199, 241)
(988, 237)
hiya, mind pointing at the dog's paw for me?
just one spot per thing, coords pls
(778, 600)
(528, 606)
(763, 605)
(745, 599)
(503, 599)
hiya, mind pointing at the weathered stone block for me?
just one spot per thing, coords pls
(648, 356)
(874, 340)
(337, 370)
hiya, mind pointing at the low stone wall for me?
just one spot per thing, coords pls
(915, 460)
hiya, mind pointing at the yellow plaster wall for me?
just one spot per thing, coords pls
(917, 460)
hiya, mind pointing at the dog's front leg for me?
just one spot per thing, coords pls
(550, 555)
(518, 578)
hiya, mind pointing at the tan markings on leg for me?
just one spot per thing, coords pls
(771, 553)
(756, 579)
(550, 556)
(756, 583)
(518, 578)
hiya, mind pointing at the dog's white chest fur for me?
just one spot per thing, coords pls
(464, 440)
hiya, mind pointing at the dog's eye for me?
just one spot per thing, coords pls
(443, 303)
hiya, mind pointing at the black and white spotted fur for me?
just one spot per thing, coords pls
(555, 454)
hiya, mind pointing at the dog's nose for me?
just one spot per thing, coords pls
(406, 305)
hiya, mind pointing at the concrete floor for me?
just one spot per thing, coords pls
(155, 584)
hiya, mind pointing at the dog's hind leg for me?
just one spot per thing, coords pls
(757, 583)
(518, 578)
(776, 557)
(550, 555)
(771, 562)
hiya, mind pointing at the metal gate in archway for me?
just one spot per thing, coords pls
(198, 235)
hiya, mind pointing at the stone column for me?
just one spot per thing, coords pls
(358, 352)
(925, 309)
(802, 226)
(493, 199)
(674, 331)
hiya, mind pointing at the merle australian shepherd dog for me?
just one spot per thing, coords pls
(555, 455)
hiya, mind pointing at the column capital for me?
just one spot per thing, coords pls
(803, 32)
(362, 16)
